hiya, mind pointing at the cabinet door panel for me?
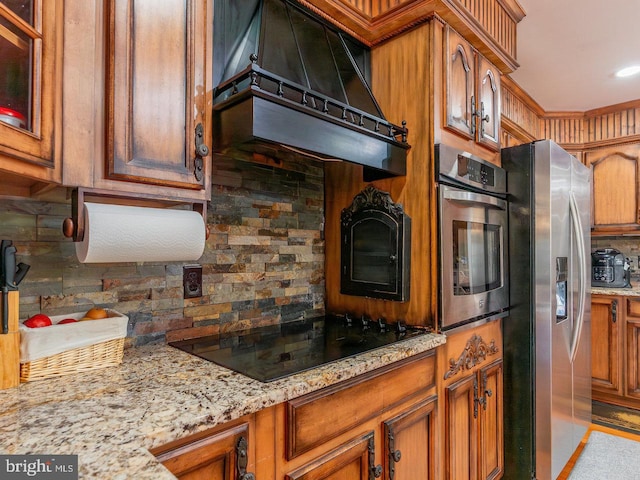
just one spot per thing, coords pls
(411, 434)
(460, 75)
(213, 457)
(349, 461)
(30, 85)
(156, 89)
(615, 186)
(605, 344)
(491, 425)
(633, 359)
(461, 430)
(488, 104)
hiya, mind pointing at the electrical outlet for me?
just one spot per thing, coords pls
(192, 281)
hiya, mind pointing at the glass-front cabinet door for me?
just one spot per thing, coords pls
(30, 86)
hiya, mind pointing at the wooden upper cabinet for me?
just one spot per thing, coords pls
(30, 78)
(460, 84)
(615, 188)
(137, 84)
(156, 91)
(488, 103)
(472, 92)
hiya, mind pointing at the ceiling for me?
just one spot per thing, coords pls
(569, 50)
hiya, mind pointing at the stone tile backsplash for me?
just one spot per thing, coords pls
(263, 262)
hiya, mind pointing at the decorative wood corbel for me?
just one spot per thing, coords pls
(475, 352)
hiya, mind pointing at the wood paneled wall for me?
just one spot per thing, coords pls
(520, 115)
(489, 24)
(525, 120)
(563, 128)
(499, 19)
(614, 122)
(408, 57)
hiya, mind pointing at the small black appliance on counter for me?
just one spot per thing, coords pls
(610, 268)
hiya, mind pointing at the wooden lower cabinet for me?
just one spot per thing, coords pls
(348, 461)
(221, 454)
(607, 327)
(410, 442)
(615, 349)
(382, 424)
(632, 352)
(473, 408)
(390, 411)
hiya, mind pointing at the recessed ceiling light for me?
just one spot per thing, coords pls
(627, 72)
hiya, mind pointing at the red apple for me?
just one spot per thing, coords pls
(67, 320)
(38, 320)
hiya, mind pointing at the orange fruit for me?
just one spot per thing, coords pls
(95, 313)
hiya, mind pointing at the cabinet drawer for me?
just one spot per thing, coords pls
(315, 418)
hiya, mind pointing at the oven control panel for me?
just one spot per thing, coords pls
(462, 169)
(475, 171)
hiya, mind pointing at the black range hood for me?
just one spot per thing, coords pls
(290, 83)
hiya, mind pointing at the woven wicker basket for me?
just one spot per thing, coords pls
(72, 348)
(91, 357)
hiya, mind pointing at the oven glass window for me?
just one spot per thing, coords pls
(476, 257)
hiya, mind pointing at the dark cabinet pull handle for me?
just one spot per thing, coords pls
(487, 391)
(375, 471)
(241, 461)
(483, 117)
(394, 455)
(201, 151)
(473, 115)
(614, 311)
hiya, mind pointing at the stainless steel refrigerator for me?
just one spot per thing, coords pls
(547, 336)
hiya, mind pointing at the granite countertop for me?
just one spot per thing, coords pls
(111, 417)
(630, 292)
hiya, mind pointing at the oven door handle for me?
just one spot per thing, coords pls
(473, 197)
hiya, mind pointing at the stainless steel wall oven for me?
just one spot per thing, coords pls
(472, 239)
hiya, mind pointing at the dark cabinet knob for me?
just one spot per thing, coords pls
(203, 150)
(396, 456)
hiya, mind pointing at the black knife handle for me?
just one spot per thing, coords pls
(10, 266)
(4, 244)
(21, 272)
(5, 310)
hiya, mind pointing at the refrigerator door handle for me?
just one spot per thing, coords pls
(576, 223)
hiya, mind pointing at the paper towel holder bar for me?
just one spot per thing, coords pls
(73, 227)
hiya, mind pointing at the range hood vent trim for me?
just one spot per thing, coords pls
(275, 114)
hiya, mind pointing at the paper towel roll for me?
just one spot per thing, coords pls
(121, 233)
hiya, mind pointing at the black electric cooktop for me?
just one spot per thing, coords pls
(276, 351)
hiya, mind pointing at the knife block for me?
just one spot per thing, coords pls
(10, 345)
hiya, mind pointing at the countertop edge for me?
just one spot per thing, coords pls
(110, 418)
